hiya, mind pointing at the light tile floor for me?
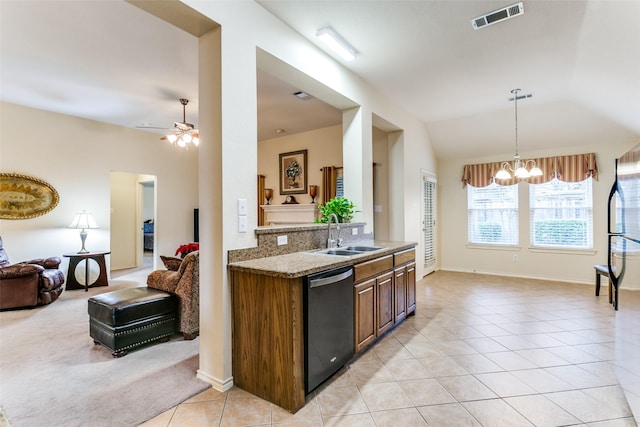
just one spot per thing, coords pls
(480, 351)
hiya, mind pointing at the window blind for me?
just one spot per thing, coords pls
(493, 214)
(428, 220)
(561, 214)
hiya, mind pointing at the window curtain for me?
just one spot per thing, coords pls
(329, 176)
(571, 168)
(261, 199)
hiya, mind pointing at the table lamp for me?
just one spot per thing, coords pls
(82, 221)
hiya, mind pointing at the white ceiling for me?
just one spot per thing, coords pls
(112, 62)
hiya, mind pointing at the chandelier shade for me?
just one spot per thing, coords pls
(521, 169)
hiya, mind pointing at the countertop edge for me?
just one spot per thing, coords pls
(300, 264)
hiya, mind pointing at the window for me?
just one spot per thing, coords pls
(493, 214)
(562, 214)
(339, 184)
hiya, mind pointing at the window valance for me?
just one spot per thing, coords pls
(571, 168)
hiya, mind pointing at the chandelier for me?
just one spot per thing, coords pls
(522, 169)
(183, 133)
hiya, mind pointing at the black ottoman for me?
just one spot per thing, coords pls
(122, 320)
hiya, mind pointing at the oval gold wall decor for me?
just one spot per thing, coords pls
(23, 197)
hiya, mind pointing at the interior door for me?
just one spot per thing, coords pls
(429, 221)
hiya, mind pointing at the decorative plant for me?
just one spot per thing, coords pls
(341, 206)
(183, 250)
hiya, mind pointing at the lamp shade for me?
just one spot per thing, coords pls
(83, 220)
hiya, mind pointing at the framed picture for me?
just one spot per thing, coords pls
(293, 172)
(24, 197)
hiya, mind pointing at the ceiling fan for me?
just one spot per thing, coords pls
(182, 133)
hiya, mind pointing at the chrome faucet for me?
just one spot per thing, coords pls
(332, 242)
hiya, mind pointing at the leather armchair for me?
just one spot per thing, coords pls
(29, 283)
(185, 283)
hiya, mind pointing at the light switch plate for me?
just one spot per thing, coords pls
(242, 206)
(282, 240)
(242, 223)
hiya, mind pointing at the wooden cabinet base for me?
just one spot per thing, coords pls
(268, 341)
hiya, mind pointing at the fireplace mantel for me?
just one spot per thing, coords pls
(290, 214)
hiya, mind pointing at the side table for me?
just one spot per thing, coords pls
(75, 259)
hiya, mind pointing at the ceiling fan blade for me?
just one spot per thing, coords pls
(153, 127)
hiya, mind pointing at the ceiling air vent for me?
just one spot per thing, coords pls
(497, 16)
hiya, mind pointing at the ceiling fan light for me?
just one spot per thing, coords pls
(181, 143)
(172, 138)
(196, 141)
(187, 138)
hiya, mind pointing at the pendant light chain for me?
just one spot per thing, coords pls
(515, 99)
(519, 168)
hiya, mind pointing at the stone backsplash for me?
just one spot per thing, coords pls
(299, 238)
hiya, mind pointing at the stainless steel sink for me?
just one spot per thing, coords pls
(361, 248)
(341, 252)
(346, 251)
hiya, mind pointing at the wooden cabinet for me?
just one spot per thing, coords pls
(405, 283)
(385, 315)
(384, 293)
(268, 331)
(400, 293)
(411, 287)
(365, 313)
(268, 323)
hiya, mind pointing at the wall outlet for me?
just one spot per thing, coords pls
(242, 223)
(516, 257)
(354, 231)
(377, 208)
(282, 240)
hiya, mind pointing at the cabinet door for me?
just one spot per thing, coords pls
(400, 289)
(365, 313)
(410, 278)
(384, 285)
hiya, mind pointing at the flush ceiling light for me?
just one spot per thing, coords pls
(335, 41)
(519, 168)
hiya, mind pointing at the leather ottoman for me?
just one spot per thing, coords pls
(122, 320)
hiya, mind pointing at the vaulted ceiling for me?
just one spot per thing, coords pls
(112, 62)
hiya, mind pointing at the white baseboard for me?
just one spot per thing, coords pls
(217, 384)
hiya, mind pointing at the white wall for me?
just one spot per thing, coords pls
(76, 156)
(324, 148)
(554, 265)
(229, 171)
(381, 186)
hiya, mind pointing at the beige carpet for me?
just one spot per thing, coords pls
(51, 373)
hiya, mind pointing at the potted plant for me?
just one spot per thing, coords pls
(341, 206)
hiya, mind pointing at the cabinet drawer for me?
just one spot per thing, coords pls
(372, 268)
(404, 257)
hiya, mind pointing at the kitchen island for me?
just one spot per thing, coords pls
(268, 312)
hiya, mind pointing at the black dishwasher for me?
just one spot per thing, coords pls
(328, 324)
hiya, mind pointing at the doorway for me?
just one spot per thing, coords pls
(429, 220)
(133, 208)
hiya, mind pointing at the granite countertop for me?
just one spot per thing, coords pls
(300, 264)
